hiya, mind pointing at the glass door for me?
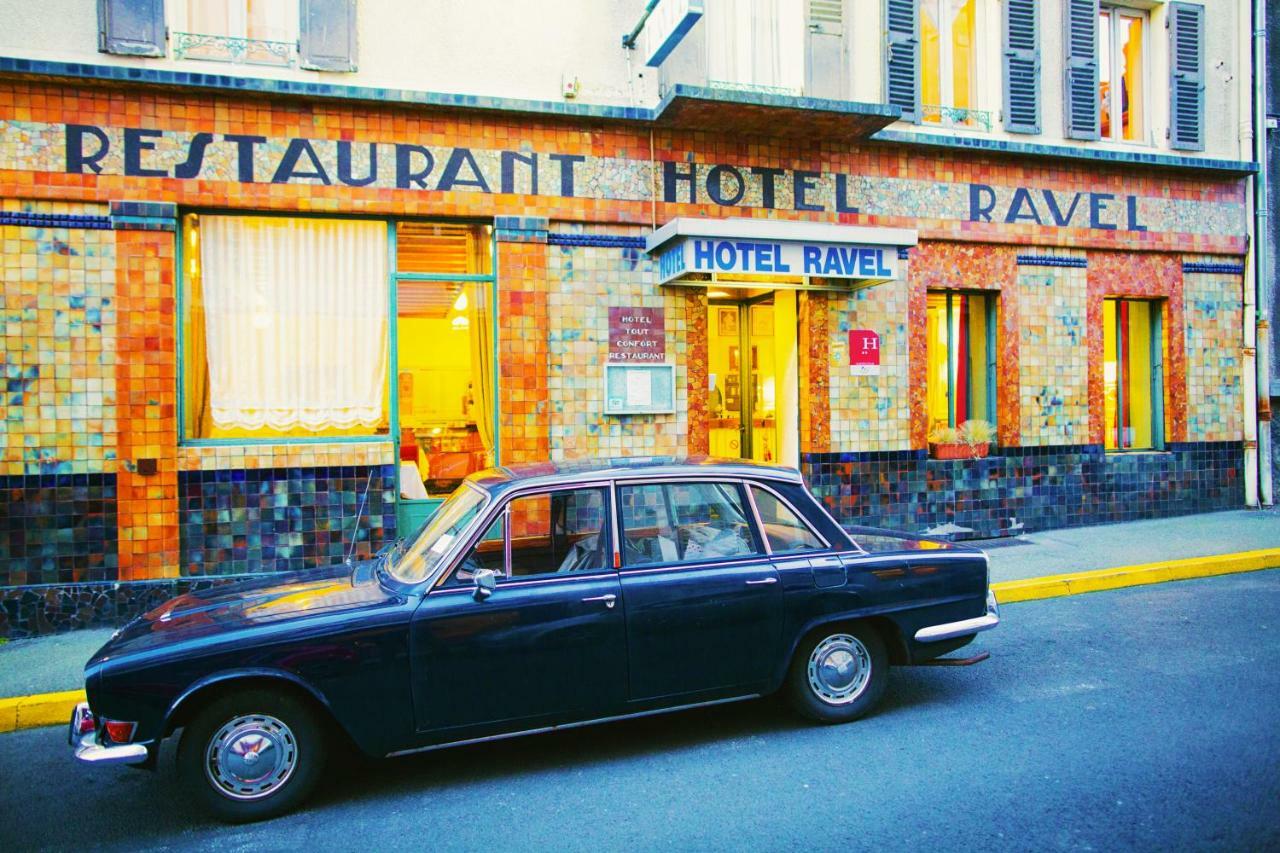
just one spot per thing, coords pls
(742, 379)
(445, 364)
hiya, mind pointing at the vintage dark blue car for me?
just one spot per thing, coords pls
(538, 597)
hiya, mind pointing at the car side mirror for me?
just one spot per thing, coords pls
(486, 582)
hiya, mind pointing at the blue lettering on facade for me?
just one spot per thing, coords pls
(703, 254)
(671, 262)
(812, 260)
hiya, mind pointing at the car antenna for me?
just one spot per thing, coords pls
(359, 512)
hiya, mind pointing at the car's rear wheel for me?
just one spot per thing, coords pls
(839, 673)
(253, 754)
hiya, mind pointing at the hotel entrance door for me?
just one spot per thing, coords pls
(742, 357)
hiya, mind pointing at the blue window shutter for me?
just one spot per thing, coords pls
(327, 35)
(131, 27)
(1186, 76)
(1081, 48)
(902, 57)
(1022, 66)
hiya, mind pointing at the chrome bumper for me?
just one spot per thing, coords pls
(89, 751)
(964, 627)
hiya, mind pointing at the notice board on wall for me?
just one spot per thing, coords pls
(639, 389)
(638, 380)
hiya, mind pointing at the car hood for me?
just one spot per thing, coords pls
(247, 604)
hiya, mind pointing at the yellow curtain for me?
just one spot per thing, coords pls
(962, 56)
(196, 357)
(481, 363)
(936, 353)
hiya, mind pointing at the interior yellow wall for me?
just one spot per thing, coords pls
(978, 357)
(1139, 386)
(1110, 403)
(787, 377)
(439, 357)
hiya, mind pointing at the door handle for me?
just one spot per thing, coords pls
(608, 598)
(769, 579)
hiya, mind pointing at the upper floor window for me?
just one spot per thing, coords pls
(948, 61)
(1122, 74)
(257, 32)
(756, 45)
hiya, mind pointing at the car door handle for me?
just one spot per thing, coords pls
(608, 598)
(769, 579)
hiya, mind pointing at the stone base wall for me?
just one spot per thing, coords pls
(1025, 489)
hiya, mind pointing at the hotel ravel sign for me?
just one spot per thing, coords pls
(146, 152)
(697, 250)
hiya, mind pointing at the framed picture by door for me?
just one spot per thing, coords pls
(727, 322)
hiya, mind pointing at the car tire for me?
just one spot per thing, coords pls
(253, 754)
(839, 673)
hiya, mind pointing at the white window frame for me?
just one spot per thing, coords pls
(1112, 35)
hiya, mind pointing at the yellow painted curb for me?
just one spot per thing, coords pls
(1052, 586)
(42, 709)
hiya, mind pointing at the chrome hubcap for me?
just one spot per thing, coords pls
(839, 669)
(251, 756)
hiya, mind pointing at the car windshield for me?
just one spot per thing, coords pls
(421, 558)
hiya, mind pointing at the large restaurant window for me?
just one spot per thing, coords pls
(285, 327)
(961, 331)
(1133, 381)
(1121, 73)
(948, 60)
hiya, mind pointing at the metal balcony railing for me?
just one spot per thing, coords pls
(961, 117)
(243, 51)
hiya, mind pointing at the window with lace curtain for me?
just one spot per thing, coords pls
(286, 327)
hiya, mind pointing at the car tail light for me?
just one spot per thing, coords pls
(118, 732)
(85, 724)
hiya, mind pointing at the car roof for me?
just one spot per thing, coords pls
(505, 477)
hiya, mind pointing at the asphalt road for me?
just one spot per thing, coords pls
(1135, 719)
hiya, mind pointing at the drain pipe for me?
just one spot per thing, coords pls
(1246, 97)
(1262, 261)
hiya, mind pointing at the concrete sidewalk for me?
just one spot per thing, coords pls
(55, 663)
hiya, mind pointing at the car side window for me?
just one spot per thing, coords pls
(688, 522)
(550, 533)
(784, 529)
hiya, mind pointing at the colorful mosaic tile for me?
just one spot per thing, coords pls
(1026, 489)
(58, 315)
(870, 412)
(321, 156)
(57, 528)
(1213, 308)
(966, 266)
(586, 282)
(310, 455)
(1151, 276)
(1053, 362)
(246, 521)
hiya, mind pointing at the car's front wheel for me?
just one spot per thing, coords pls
(839, 673)
(252, 754)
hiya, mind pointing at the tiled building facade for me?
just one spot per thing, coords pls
(105, 508)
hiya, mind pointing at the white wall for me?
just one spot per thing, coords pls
(526, 50)
(503, 48)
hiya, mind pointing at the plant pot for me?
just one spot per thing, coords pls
(958, 450)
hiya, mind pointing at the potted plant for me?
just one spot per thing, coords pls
(971, 441)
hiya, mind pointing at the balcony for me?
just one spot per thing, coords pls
(241, 51)
(963, 118)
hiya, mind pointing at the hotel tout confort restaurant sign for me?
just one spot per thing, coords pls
(804, 254)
